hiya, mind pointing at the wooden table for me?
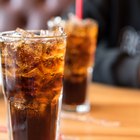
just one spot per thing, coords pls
(115, 115)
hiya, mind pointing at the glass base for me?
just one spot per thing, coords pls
(84, 108)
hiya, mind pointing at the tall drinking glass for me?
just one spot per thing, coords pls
(32, 70)
(79, 62)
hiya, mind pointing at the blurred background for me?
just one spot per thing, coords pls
(30, 14)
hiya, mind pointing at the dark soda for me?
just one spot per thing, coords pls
(32, 69)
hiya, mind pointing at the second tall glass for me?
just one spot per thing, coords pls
(81, 46)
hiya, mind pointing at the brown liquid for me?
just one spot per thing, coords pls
(30, 124)
(74, 92)
(81, 45)
(34, 117)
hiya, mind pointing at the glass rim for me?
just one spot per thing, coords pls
(8, 34)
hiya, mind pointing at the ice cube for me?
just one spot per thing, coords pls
(51, 83)
(33, 73)
(52, 64)
(19, 102)
(53, 47)
(43, 33)
(58, 31)
(29, 55)
(54, 22)
(24, 33)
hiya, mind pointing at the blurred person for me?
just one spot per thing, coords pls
(117, 60)
(117, 56)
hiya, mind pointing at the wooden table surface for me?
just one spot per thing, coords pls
(114, 115)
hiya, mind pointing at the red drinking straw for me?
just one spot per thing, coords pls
(79, 8)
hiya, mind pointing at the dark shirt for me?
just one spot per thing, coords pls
(112, 65)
